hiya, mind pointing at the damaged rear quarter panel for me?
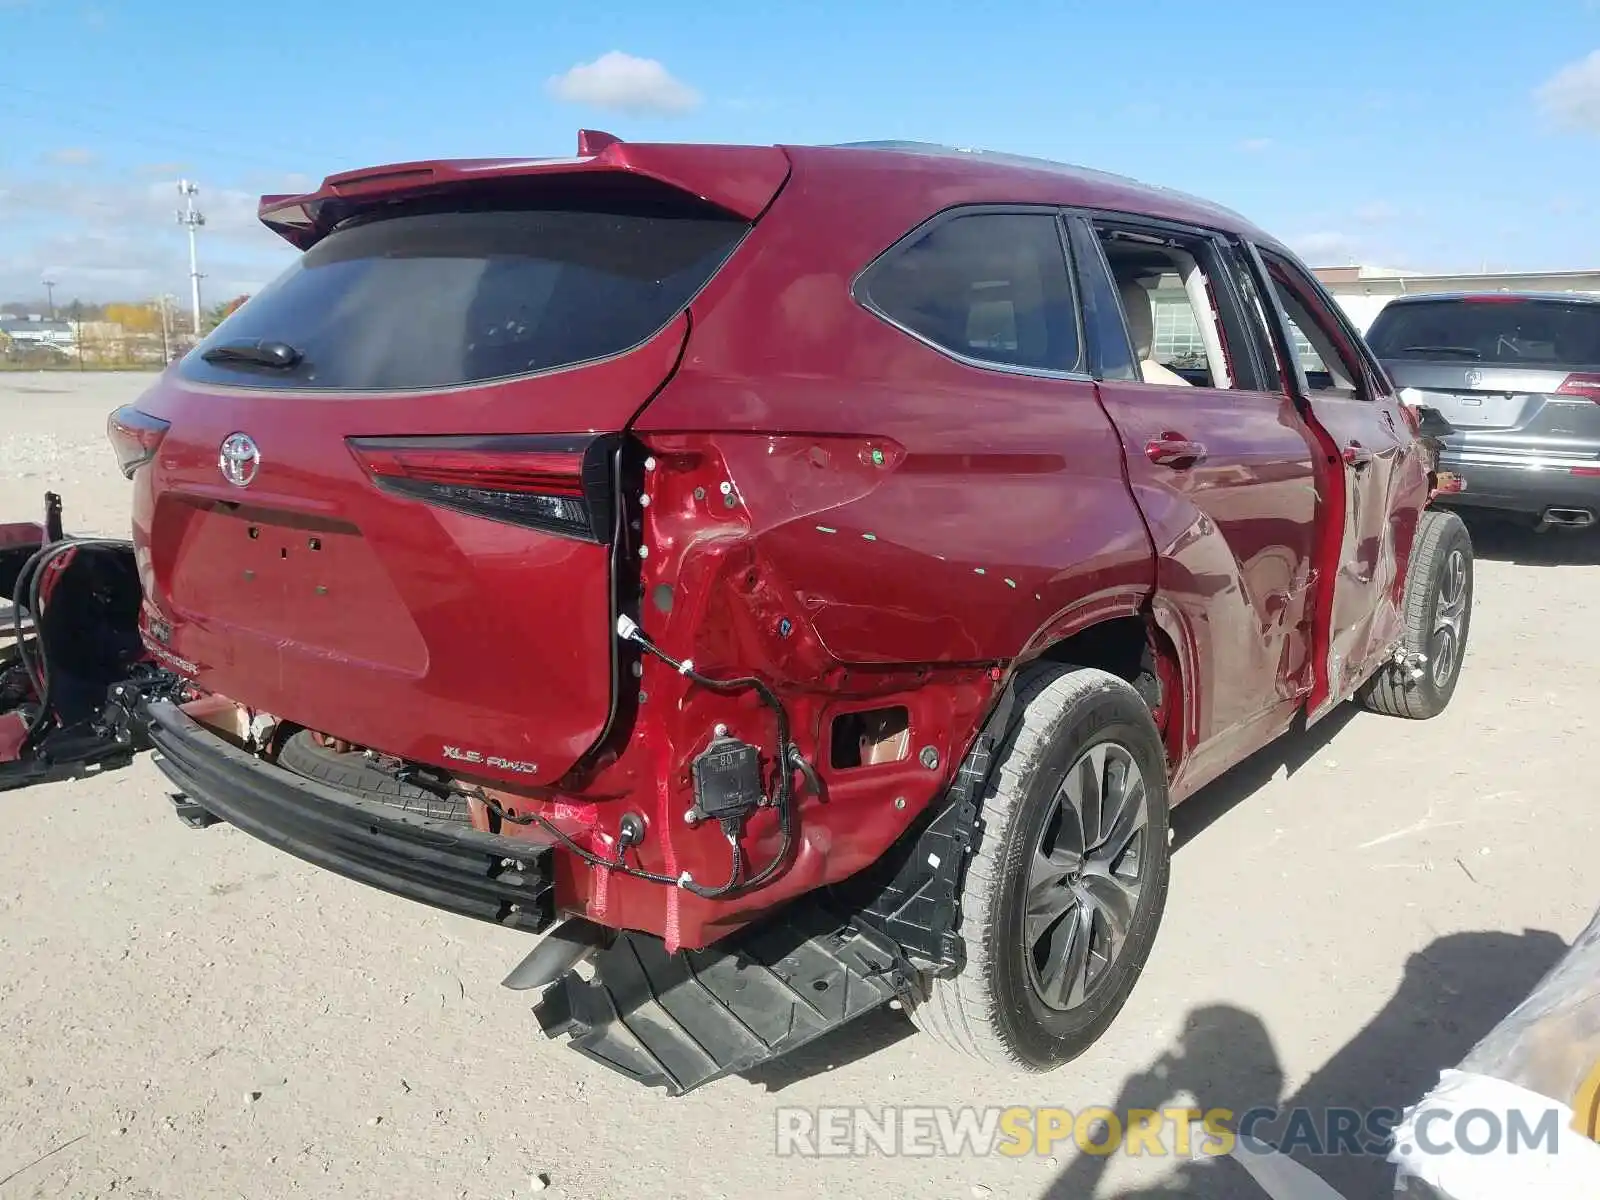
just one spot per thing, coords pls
(861, 521)
(1000, 502)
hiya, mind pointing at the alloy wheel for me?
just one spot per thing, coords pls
(1086, 875)
(1450, 612)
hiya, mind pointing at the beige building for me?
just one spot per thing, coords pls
(1363, 291)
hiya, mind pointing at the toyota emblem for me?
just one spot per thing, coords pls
(240, 459)
(1474, 377)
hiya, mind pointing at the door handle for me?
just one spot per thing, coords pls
(1356, 455)
(1175, 451)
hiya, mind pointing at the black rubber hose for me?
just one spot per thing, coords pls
(38, 562)
(20, 604)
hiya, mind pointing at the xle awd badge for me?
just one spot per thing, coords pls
(493, 761)
(239, 459)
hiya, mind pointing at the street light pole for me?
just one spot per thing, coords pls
(50, 293)
(192, 220)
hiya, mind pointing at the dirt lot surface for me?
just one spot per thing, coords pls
(193, 1014)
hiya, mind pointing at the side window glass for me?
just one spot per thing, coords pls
(1110, 356)
(1261, 323)
(1314, 333)
(1169, 302)
(990, 287)
(1310, 361)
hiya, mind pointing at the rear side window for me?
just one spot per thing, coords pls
(1506, 330)
(990, 287)
(428, 299)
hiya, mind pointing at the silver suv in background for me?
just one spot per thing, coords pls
(1517, 376)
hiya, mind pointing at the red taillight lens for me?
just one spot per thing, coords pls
(135, 436)
(554, 484)
(1585, 386)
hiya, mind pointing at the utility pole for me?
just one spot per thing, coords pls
(192, 220)
(50, 292)
(76, 312)
(166, 330)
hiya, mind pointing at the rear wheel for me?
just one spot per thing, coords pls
(1438, 612)
(352, 771)
(1067, 884)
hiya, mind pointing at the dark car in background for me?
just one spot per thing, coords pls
(1517, 376)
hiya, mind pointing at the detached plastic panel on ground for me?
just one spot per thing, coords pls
(1542, 1063)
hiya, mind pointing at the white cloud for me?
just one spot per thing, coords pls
(622, 83)
(1327, 247)
(1256, 145)
(117, 239)
(1571, 97)
(70, 156)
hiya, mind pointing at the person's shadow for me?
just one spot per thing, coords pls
(1451, 995)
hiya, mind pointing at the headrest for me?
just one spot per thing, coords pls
(1141, 318)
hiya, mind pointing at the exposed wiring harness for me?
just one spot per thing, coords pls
(783, 796)
(788, 759)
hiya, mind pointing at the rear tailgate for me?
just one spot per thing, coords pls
(405, 538)
(1512, 374)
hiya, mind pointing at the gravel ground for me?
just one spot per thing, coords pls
(193, 1014)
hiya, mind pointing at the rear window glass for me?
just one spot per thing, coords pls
(987, 286)
(427, 299)
(1506, 331)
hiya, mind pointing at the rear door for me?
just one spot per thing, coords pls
(1514, 375)
(397, 524)
(1222, 468)
(1383, 477)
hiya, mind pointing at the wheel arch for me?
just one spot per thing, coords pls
(1137, 639)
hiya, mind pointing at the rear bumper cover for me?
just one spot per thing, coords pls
(439, 863)
(1517, 485)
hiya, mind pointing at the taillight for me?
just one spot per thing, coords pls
(135, 436)
(1585, 386)
(556, 484)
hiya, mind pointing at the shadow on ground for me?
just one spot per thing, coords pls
(1497, 540)
(1451, 994)
(1288, 753)
(880, 1030)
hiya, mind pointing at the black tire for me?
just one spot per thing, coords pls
(1441, 561)
(995, 1009)
(351, 771)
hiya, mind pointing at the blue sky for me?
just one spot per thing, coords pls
(1430, 134)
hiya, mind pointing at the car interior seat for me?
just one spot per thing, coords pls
(1140, 312)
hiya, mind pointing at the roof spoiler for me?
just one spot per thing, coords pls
(740, 179)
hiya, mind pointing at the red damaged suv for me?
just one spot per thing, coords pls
(795, 577)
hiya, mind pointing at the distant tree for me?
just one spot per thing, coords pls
(218, 313)
(135, 318)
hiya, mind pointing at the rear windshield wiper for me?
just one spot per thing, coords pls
(256, 352)
(1458, 351)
